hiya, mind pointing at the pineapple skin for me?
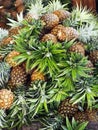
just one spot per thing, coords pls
(67, 109)
(7, 40)
(18, 76)
(78, 48)
(94, 56)
(62, 14)
(51, 20)
(81, 116)
(49, 37)
(14, 31)
(36, 75)
(10, 56)
(6, 98)
(64, 33)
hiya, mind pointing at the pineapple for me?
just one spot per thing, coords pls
(81, 116)
(67, 109)
(51, 20)
(35, 11)
(92, 115)
(62, 14)
(90, 64)
(18, 76)
(18, 22)
(94, 56)
(7, 40)
(10, 56)
(55, 30)
(36, 75)
(6, 98)
(14, 31)
(64, 33)
(78, 48)
(49, 37)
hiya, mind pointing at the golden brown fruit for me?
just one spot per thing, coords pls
(64, 33)
(36, 75)
(51, 20)
(78, 48)
(62, 14)
(14, 31)
(94, 56)
(10, 58)
(49, 37)
(18, 76)
(6, 98)
(7, 40)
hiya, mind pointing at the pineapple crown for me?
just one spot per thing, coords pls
(4, 73)
(88, 32)
(79, 17)
(82, 15)
(18, 110)
(37, 9)
(74, 125)
(55, 5)
(3, 123)
(51, 122)
(86, 92)
(5, 49)
(73, 67)
(14, 23)
(3, 33)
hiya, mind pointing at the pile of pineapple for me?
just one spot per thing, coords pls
(49, 68)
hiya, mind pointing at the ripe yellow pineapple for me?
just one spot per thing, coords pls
(65, 33)
(36, 75)
(10, 56)
(49, 37)
(81, 116)
(51, 20)
(18, 76)
(6, 98)
(94, 56)
(78, 48)
(62, 14)
(66, 108)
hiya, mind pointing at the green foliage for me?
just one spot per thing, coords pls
(86, 92)
(4, 73)
(3, 33)
(17, 115)
(55, 5)
(3, 123)
(72, 68)
(44, 56)
(51, 122)
(5, 49)
(74, 125)
(79, 16)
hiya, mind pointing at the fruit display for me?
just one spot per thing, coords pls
(49, 68)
